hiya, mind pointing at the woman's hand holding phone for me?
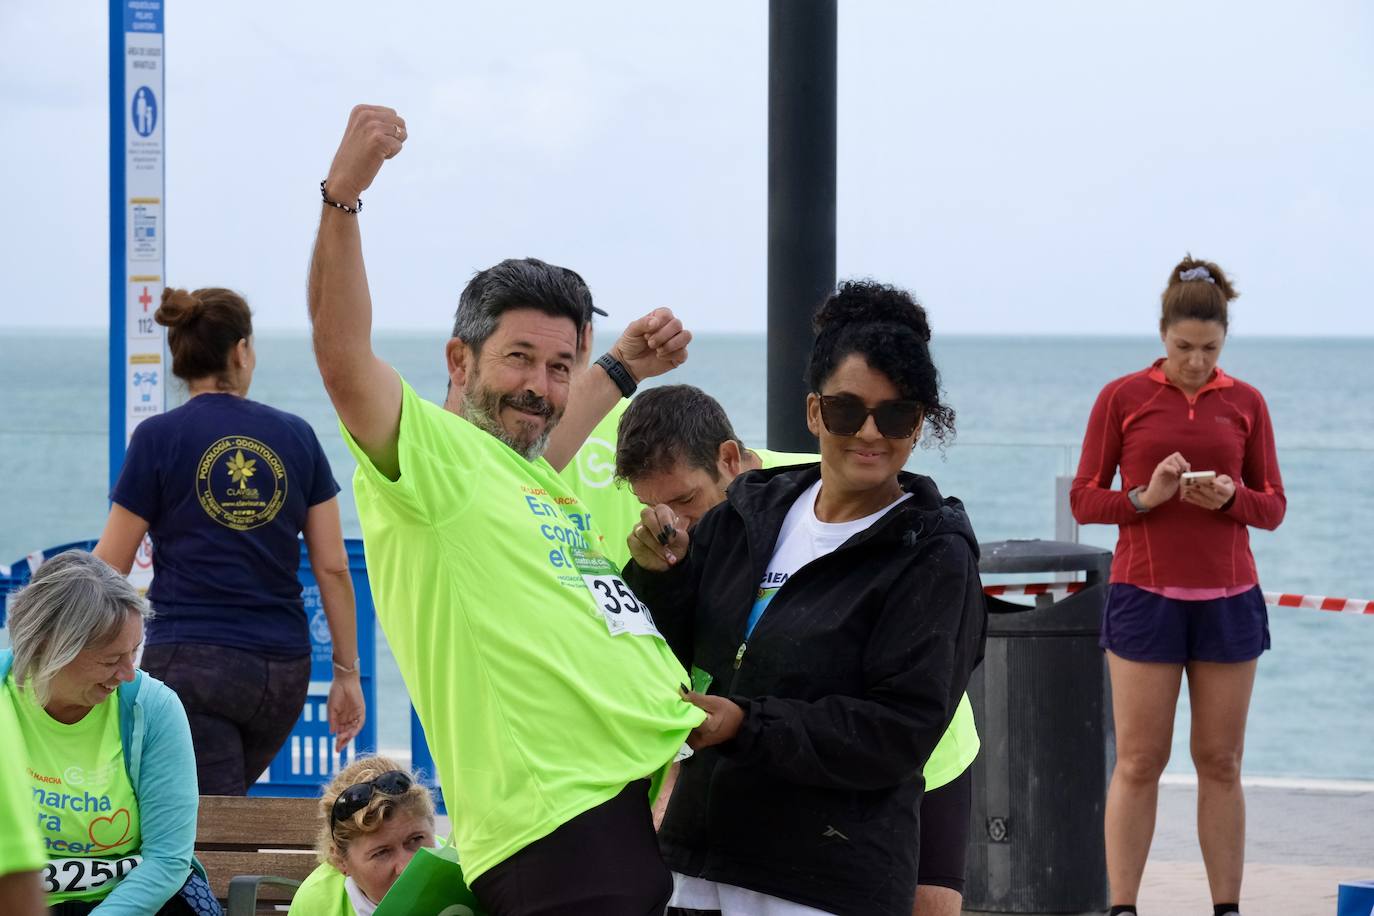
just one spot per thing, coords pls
(1210, 494)
(1164, 482)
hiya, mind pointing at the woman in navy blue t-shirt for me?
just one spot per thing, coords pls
(224, 486)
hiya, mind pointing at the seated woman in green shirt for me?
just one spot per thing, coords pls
(375, 816)
(107, 759)
(21, 851)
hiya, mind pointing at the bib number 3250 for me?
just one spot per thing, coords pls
(624, 612)
(61, 876)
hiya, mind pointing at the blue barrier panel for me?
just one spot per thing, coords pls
(422, 761)
(17, 574)
(1355, 898)
(307, 760)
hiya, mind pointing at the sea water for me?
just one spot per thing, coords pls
(1021, 403)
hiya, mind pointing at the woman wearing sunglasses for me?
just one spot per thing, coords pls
(830, 616)
(375, 816)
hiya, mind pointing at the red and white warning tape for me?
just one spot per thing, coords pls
(1276, 599)
(1318, 603)
(1035, 588)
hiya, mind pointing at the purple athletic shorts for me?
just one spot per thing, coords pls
(1141, 626)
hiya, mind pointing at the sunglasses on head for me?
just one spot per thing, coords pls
(845, 415)
(355, 797)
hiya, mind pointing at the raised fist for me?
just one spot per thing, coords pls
(374, 134)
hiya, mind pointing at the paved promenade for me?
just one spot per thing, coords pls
(1303, 839)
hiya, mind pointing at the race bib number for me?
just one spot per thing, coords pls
(69, 876)
(624, 612)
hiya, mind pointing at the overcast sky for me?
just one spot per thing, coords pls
(1024, 168)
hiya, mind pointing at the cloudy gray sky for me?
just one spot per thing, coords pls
(1022, 167)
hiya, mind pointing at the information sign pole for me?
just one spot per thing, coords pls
(137, 373)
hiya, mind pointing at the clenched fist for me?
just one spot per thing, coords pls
(374, 134)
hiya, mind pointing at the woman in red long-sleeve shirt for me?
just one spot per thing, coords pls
(1185, 594)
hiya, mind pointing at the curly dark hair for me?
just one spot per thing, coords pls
(888, 328)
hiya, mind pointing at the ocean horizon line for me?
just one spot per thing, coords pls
(87, 332)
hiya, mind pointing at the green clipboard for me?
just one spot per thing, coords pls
(431, 885)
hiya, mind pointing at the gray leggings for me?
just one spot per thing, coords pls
(242, 707)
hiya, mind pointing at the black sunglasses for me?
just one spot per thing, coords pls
(845, 415)
(355, 797)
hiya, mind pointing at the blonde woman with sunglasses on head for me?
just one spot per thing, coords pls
(375, 817)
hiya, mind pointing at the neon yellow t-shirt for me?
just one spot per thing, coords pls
(612, 505)
(322, 893)
(959, 744)
(771, 459)
(87, 813)
(21, 849)
(535, 713)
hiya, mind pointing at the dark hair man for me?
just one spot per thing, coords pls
(676, 447)
(548, 697)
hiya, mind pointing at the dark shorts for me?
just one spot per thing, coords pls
(604, 862)
(945, 822)
(1141, 626)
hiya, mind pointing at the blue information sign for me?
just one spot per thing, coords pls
(138, 370)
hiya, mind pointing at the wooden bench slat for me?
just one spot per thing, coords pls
(223, 866)
(277, 823)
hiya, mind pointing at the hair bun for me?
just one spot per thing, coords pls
(178, 308)
(870, 302)
(1192, 270)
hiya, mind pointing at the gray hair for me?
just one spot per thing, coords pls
(527, 283)
(73, 602)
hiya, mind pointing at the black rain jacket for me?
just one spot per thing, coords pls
(847, 683)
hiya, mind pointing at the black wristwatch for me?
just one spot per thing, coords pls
(619, 374)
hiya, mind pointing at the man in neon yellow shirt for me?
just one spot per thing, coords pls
(21, 848)
(676, 447)
(548, 697)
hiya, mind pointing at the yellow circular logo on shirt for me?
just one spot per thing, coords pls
(241, 483)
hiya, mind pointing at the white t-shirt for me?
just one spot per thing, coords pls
(803, 538)
(362, 904)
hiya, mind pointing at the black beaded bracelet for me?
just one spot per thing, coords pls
(619, 374)
(334, 203)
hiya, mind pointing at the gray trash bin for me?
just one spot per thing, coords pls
(1044, 715)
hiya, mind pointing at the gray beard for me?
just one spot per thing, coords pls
(481, 407)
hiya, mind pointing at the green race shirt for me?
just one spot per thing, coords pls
(21, 849)
(611, 505)
(322, 893)
(499, 610)
(959, 744)
(771, 459)
(87, 814)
